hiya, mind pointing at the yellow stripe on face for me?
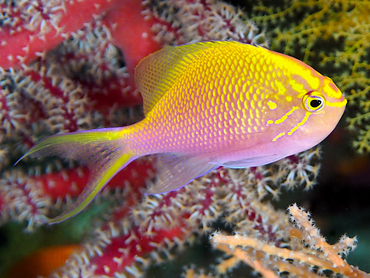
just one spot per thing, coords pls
(278, 136)
(286, 115)
(292, 130)
(304, 120)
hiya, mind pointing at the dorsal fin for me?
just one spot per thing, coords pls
(156, 73)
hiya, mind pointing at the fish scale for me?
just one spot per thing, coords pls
(229, 122)
(207, 105)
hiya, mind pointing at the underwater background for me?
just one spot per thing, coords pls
(68, 66)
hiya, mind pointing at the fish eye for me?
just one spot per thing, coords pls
(313, 101)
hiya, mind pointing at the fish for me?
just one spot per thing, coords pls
(206, 105)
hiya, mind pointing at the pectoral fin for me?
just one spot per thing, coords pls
(251, 161)
(177, 171)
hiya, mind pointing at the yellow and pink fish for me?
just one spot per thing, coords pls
(207, 105)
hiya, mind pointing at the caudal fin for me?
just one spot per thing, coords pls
(102, 150)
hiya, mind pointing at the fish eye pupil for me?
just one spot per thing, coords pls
(315, 103)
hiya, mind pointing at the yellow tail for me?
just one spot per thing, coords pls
(102, 150)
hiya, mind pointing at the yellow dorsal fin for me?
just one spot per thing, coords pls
(156, 73)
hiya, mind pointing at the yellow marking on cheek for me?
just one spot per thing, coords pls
(270, 122)
(278, 136)
(272, 105)
(292, 130)
(286, 115)
(304, 119)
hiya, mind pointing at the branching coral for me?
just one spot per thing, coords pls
(304, 254)
(333, 36)
(138, 234)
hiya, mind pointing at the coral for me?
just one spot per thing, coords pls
(66, 75)
(138, 233)
(304, 253)
(30, 27)
(335, 38)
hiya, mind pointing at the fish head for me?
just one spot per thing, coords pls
(306, 109)
(323, 108)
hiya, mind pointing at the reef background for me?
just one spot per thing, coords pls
(84, 81)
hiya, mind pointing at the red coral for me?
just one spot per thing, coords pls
(33, 27)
